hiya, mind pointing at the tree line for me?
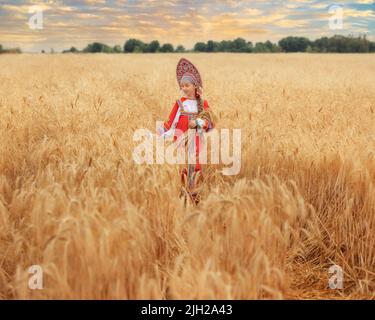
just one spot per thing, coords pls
(9, 50)
(336, 43)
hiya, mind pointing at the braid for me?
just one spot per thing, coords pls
(203, 113)
(199, 102)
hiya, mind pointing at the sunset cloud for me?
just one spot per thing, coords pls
(77, 23)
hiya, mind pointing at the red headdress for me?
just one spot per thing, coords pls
(186, 70)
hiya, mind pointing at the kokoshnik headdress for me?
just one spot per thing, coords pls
(185, 70)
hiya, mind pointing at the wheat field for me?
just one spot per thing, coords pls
(73, 201)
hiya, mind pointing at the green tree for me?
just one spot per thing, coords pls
(98, 47)
(294, 44)
(224, 45)
(180, 48)
(239, 45)
(249, 47)
(134, 45)
(72, 49)
(261, 47)
(167, 47)
(138, 49)
(200, 47)
(117, 49)
(212, 46)
(153, 46)
(321, 44)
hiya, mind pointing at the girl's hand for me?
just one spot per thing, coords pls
(192, 124)
(159, 131)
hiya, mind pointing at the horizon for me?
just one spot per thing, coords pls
(187, 50)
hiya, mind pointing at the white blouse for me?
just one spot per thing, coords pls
(190, 106)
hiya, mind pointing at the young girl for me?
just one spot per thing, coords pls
(189, 112)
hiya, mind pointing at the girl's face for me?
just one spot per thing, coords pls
(189, 89)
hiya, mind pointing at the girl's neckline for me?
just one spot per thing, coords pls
(190, 99)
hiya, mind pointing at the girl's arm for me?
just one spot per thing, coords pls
(167, 124)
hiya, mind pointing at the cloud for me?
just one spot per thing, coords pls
(185, 22)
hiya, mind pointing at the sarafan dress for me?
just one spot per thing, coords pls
(183, 111)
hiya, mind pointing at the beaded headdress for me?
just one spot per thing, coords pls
(186, 71)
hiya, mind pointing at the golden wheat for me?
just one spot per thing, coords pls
(73, 201)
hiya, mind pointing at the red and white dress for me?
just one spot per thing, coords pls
(182, 112)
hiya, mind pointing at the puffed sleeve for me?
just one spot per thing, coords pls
(167, 124)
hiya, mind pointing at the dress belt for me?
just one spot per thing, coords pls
(188, 113)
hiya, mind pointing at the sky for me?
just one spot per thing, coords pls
(77, 23)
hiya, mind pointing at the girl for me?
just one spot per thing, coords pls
(189, 112)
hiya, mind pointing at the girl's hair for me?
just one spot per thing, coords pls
(200, 101)
(204, 113)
